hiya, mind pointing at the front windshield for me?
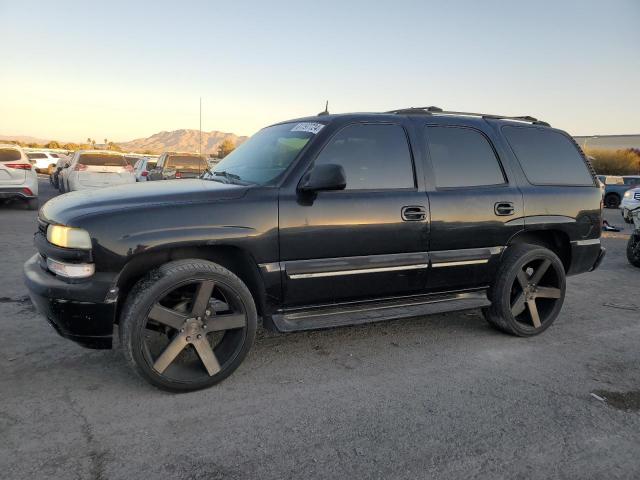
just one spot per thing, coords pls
(266, 155)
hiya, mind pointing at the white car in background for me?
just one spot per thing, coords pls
(142, 167)
(18, 179)
(90, 169)
(43, 162)
(630, 200)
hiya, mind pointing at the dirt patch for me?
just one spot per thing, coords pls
(629, 401)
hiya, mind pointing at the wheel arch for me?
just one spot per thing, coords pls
(555, 240)
(233, 258)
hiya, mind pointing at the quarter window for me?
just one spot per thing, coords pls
(373, 156)
(462, 157)
(547, 157)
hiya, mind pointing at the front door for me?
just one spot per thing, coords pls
(366, 241)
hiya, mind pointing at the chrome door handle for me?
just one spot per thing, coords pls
(415, 213)
(504, 208)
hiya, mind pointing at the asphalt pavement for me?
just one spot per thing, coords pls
(443, 396)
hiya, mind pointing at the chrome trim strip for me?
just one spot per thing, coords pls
(593, 241)
(356, 272)
(271, 267)
(460, 263)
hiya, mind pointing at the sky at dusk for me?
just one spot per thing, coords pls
(123, 70)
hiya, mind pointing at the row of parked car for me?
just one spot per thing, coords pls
(621, 192)
(88, 169)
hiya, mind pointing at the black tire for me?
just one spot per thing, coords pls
(187, 369)
(633, 249)
(520, 265)
(32, 204)
(611, 200)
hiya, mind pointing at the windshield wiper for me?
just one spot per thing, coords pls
(232, 178)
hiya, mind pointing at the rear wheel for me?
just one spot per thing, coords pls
(633, 250)
(188, 325)
(612, 200)
(528, 292)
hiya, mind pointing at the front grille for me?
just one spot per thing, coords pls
(636, 196)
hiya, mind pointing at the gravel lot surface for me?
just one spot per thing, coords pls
(436, 397)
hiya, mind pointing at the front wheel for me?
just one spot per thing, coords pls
(611, 201)
(528, 292)
(633, 249)
(188, 325)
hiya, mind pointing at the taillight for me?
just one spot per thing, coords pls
(145, 173)
(18, 166)
(27, 191)
(80, 167)
(178, 175)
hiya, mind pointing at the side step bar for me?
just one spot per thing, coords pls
(377, 311)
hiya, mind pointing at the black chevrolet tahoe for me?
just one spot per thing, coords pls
(321, 222)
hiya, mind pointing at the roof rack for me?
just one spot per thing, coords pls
(438, 111)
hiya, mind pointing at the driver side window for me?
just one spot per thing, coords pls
(374, 157)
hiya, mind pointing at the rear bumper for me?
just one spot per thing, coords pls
(77, 311)
(586, 256)
(14, 192)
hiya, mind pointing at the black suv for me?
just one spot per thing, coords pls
(321, 222)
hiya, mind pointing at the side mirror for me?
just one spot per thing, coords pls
(328, 176)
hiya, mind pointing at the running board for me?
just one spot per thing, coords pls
(377, 311)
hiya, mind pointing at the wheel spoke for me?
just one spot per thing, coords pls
(170, 353)
(205, 352)
(547, 292)
(201, 298)
(533, 310)
(226, 322)
(167, 316)
(523, 280)
(539, 273)
(518, 306)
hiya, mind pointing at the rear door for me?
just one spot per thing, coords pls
(10, 171)
(476, 206)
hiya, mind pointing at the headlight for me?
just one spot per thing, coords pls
(627, 194)
(69, 237)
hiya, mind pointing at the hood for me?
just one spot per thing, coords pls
(65, 208)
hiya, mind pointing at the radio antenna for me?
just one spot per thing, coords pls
(326, 109)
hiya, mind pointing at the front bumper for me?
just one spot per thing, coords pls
(78, 311)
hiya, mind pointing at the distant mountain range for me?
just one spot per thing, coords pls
(188, 140)
(181, 141)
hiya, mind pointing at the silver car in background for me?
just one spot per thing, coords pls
(90, 169)
(18, 179)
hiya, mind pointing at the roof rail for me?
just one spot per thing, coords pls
(438, 111)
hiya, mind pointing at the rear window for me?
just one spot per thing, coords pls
(9, 154)
(33, 156)
(103, 160)
(547, 157)
(186, 163)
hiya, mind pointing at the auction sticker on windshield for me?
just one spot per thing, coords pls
(310, 127)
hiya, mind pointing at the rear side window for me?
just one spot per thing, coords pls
(33, 156)
(54, 155)
(374, 157)
(103, 160)
(9, 154)
(547, 157)
(462, 157)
